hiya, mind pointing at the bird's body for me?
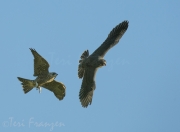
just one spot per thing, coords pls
(89, 64)
(44, 78)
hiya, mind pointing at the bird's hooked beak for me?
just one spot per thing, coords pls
(56, 75)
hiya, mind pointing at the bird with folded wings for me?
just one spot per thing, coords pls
(44, 78)
(89, 64)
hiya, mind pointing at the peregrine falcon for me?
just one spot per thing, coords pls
(88, 64)
(44, 78)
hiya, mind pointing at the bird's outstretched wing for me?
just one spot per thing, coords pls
(88, 86)
(57, 88)
(40, 64)
(112, 39)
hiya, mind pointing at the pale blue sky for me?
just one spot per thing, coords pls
(138, 90)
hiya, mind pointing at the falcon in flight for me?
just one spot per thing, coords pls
(88, 64)
(44, 78)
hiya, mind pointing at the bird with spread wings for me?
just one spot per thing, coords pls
(44, 78)
(88, 64)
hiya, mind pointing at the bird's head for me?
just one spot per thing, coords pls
(54, 74)
(102, 62)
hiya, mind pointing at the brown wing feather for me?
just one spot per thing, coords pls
(112, 39)
(88, 86)
(57, 88)
(40, 64)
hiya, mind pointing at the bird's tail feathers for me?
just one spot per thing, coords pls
(27, 84)
(80, 71)
(84, 55)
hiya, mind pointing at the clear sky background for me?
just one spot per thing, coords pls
(138, 90)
